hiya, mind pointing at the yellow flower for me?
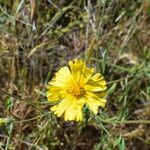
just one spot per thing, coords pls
(73, 87)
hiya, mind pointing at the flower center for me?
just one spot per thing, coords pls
(76, 90)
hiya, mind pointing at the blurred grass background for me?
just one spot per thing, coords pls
(37, 37)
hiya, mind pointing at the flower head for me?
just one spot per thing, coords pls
(74, 86)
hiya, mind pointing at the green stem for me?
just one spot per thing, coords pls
(118, 80)
(127, 122)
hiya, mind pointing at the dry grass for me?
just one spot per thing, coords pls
(38, 37)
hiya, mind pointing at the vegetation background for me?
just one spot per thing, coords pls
(37, 37)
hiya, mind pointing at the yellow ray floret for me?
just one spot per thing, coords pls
(74, 86)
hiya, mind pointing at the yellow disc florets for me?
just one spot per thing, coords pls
(76, 90)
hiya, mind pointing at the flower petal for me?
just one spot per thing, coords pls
(94, 104)
(74, 111)
(94, 101)
(73, 114)
(70, 107)
(61, 107)
(62, 78)
(97, 77)
(95, 88)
